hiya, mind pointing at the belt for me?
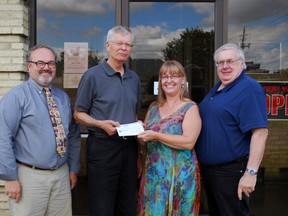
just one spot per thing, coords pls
(239, 160)
(36, 168)
(128, 137)
(102, 135)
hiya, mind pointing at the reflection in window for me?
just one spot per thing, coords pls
(58, 22)
(178, 31)
(261, 30)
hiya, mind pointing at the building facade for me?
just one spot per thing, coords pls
(157, 26)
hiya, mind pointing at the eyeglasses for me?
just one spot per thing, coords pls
(173, 77)
(41, 64)
(228, 62)
(120, 44)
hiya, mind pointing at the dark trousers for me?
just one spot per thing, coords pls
(221, 184)
(112, 176)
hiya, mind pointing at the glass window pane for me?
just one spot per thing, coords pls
(171, 30)
(260, 28)
(59, 22)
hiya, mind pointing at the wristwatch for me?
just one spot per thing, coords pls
(251, 171)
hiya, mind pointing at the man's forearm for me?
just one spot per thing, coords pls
(257, 147)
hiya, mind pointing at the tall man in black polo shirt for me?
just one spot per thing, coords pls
(109, 95)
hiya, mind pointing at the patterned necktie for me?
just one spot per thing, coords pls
(61, 143)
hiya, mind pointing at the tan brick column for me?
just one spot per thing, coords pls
(4, 208)
(13, 36)
(13, 32)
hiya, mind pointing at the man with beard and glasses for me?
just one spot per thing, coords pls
(35, 122)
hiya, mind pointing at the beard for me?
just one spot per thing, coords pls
(45, 80)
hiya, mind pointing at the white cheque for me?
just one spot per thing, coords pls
(131, 129)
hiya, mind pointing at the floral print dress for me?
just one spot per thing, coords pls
(170, 183)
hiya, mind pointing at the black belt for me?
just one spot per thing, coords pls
(127, 137)
(102, 135)
(36, 168)
(240, 160)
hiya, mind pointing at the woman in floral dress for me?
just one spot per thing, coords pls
(170, 183)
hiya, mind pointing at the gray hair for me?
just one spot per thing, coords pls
(123, 30)
(231, 46)
(38, 46)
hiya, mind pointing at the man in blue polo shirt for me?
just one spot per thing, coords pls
(234, 132)
(109, 95)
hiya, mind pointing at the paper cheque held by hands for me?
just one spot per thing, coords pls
(132, 129)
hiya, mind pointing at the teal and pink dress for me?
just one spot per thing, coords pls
(170, 184)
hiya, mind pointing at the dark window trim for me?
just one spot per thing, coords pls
(32, 8)
(220, 18)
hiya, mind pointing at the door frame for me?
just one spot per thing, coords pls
(220, 18)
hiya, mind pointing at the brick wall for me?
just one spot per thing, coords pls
(275, 159)
(276, 153)
(13, 34)
(3, 201)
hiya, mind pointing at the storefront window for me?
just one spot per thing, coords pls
(81, 27)
(260, 28)
(182, 31)
(163, 30)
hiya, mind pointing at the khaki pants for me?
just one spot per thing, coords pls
(44, 193)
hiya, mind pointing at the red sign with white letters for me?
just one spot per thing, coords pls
(276, 99)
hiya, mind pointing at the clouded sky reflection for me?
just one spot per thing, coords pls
(154, 24)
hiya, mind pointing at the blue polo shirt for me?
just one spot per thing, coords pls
(105, 95)
(228, 116)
